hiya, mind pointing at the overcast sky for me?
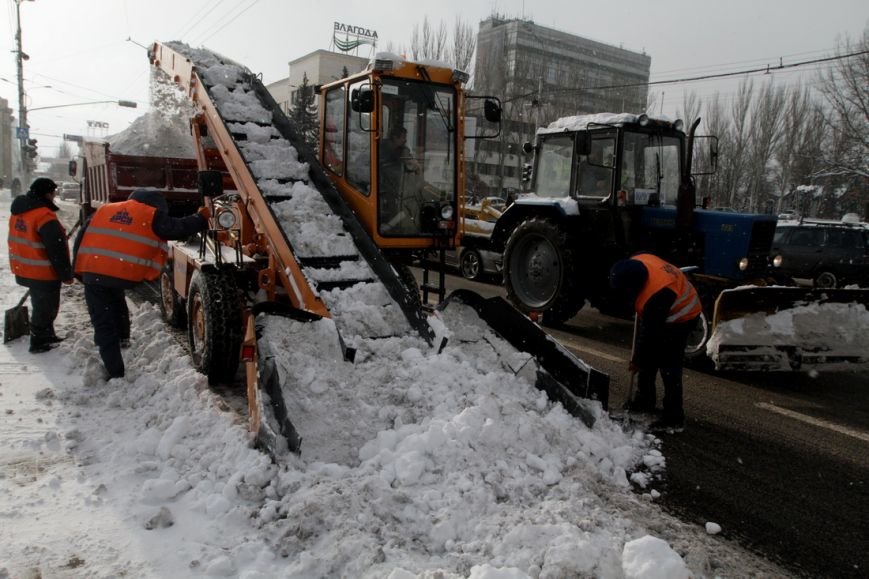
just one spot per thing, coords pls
(89, 50)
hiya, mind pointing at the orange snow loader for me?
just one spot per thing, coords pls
(297, 240)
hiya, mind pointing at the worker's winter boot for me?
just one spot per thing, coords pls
(669, 424)
(640, 404)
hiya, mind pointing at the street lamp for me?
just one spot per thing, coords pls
(20, 57)
(127, 104)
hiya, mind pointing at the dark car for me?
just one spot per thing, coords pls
(68, 191)
(830, 253)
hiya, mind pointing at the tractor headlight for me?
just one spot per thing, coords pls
(777, 261)
(446, 212)
(743, 264)
(226, 219)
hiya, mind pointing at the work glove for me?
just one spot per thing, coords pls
(205, 212)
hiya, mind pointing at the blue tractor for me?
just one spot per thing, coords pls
(606, 186)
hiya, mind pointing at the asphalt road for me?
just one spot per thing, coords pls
(779, 460)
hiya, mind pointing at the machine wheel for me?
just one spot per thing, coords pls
(171, 305)
(695, 348)
(826, 280)
(471, 264)
(540, 272)
(214, 324)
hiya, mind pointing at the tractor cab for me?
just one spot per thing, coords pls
(606, 164)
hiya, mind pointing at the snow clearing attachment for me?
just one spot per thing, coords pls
(790, 328)
(304, 265)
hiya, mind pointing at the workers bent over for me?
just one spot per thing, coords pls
(667, 307)
(121, 245)
(39, 258)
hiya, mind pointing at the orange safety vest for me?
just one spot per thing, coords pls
(27, 255)
(119, 242)
(666, 275)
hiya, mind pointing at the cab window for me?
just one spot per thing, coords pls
(333, 132)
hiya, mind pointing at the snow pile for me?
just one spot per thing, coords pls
(826, 331)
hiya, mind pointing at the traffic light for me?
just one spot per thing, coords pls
(30, 148)
(526, 172)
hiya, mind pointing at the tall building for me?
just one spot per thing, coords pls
(321, 67)
(541, 74)
(7, 142)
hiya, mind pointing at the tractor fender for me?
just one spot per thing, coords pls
(522, 210)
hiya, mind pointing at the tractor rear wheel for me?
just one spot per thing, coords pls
(214, 324)
(540, 271)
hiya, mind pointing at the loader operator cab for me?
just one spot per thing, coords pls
(391, 137)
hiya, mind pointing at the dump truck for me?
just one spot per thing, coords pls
(107, 176)
(606, 186)
(300, 247)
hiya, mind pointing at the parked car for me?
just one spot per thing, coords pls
(474, 263)
(830, 253)
(69, 191)
(789, 215)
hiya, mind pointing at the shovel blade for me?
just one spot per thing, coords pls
(16, 324)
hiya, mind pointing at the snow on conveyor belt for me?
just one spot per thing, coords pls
(314, 232)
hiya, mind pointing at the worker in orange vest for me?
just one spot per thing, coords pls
(667, 308)
(39, 258)
(121, 245)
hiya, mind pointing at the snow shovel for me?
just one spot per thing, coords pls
(17, 321)
(627, 417)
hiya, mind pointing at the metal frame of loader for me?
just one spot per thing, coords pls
(246, 250)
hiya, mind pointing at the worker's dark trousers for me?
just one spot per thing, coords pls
(669, 353)
(110, 317)
(44, 305)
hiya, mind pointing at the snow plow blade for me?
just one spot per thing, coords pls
(790, 328)
(564, 377)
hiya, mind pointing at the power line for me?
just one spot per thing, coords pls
(763, 70)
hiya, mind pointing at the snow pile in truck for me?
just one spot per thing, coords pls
(164, 131)
(154, 135)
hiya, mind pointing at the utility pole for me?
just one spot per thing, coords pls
(22, 109)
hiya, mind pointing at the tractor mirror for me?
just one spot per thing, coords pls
(210, 183)
(583, 143)
(73, 168)
(362, 100)
(492, 111)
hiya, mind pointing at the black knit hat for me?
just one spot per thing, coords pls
(627, 278)
(43, 186)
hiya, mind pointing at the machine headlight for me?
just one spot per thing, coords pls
(446, 212)
(460, 76)
(777, 261)
(226, 219)
(678, 124)
(743, 264)
(643, 120)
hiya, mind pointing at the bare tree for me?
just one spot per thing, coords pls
(787, 151)
(843, 86)
(463, 46)
(690, 108)
(766, 118)
(429, 43)
(734, 142)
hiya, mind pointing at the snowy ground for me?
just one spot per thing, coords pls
(446, 469)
